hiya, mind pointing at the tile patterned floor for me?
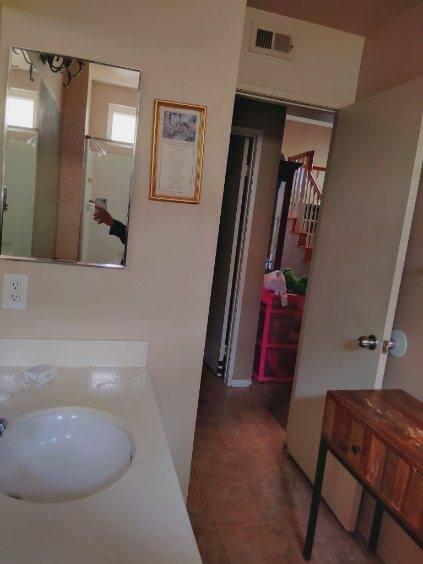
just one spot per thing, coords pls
(248, 501)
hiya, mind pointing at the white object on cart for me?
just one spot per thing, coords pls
(275, 281)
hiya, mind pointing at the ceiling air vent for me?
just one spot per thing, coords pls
(271, 42)
(264, 38)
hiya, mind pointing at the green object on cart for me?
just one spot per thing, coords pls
(295, 284)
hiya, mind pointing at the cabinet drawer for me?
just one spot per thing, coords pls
(355, 444)
(413, 507)
(336, 426)
(373, 459)
(394, 483)
(344, 433)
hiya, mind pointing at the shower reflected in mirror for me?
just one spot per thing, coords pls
(70, 133)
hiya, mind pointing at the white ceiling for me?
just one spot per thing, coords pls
(354, 16)
(115, 75)
(17, 61)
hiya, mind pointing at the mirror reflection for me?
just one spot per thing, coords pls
(70, 129)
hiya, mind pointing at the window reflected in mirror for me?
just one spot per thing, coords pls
(70, 132)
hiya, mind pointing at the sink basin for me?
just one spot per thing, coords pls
(62, 454)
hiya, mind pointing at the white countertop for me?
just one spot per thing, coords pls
(139, 519)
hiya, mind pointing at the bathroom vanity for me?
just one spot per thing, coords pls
(141, 516)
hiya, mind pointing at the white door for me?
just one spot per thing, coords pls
(364, 225)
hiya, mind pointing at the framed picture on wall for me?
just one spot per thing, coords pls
(178, 150)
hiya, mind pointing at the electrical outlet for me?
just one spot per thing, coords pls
(15, 290)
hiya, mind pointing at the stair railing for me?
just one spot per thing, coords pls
(300, 181)
(305, 198)
(319, 173)
(313, 198)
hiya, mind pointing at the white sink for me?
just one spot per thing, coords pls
(62, 454)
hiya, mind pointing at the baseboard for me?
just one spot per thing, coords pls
(210, 368)
(239, 383)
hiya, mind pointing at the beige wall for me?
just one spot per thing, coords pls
(293, 255)
(324, 69)
(393, 53)
(19, 78)
(102, 95)
(300, 137)
(163, 295)
(268, 118)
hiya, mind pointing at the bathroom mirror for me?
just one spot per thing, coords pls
(70, 132)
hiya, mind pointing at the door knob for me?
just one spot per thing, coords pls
(369, 342)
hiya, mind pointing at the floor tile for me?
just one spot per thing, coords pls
(198, 507)
(233, 500)
(259, 543)
(248, 501)
(210, 545)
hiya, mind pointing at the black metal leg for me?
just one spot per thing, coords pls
(317, 490)
(377, 521)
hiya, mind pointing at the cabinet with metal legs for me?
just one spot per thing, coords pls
(378, 436)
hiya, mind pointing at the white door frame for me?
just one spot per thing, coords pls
(244, 175)
(240, 268)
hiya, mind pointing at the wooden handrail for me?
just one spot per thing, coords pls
(315, 186)
(306, 158)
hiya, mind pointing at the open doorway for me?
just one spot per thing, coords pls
(246, 493)
(234, 234)
(234, 449)
(277, 163)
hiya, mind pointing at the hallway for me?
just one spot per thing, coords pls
(248, 501)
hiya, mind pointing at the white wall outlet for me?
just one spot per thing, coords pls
(15, 290)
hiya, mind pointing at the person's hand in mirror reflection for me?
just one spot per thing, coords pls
(117, 228)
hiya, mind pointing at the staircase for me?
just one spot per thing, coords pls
(305, 201)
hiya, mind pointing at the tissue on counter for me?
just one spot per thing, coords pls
(39, 376)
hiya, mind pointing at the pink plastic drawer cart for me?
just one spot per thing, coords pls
(277, 337)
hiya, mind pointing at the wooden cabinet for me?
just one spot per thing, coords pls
(413, 508)
(374, 453)
(378, 436)
(394, 484)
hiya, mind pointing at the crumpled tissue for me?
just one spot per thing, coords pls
(40, 375)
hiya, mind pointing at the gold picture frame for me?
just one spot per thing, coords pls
(177, 152)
